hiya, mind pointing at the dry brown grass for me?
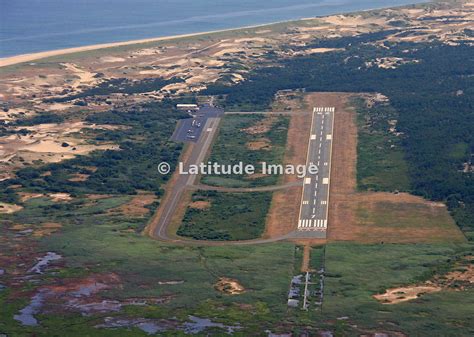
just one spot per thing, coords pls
(137, 206)
(201, 204)
(260, 144)
(375, 216)
(260, 127)
(47, 229)
(284, 209)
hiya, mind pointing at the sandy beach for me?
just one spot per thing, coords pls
(8, 61)
(12, 60)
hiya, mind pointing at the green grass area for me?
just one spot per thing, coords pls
(381, 165)
(94, 241)
(230, 216)
(231, 147)
(356, 272)
(316, 261)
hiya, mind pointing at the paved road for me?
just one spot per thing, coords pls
(313, 216)
(174, 195)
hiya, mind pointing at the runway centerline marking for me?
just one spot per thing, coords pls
(312, 220)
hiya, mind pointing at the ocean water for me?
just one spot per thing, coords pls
(28, 26)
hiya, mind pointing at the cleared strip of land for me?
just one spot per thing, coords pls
(375, 216)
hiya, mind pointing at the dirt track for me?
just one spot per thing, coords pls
(283, 214)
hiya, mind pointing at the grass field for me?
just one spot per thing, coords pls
(356, 272)
(250, 139)
(226, 216)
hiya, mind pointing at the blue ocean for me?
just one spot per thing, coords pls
(28, 26)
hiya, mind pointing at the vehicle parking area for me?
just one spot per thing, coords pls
(190, 129)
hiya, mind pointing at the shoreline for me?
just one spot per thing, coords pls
(24, 58)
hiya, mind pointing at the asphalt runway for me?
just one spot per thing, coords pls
(313, 218)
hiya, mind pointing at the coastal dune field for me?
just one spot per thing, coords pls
(97, 240)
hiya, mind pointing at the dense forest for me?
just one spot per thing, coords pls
(433, 94)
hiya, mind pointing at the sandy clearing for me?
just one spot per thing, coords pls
(85, 77)
(322, 50)
(59, 106)
(25, 196)
(251, 39)
(316, 51)
(260, 127)
(111, 59)
(459, 278)
(227, 51)
(147, 52)
(201, 204)
(236, 78)
(137, 206)
(214, 63)
(59, 197)
(354, 20)
(229, 286)
(403, 294)
(9, 208)
(260, 144)
(49, 143)
(52, 146)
